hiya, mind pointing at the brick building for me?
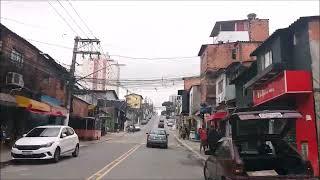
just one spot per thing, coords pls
(233, 42)
(33, 81)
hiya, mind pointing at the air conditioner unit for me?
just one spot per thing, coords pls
(14, 79)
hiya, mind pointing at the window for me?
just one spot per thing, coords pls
(234, 54)
(266, 60)
(64, 130)
(16, 56)
(220, 86)
(305, 149)
(45, 79)
(61, 84)
(70, 132)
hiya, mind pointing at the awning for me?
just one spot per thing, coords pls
(32, 104)
(7, 99)
(217, 116)
(269, 114)
(58, 111)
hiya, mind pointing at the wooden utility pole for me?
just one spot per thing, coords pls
(71, 84)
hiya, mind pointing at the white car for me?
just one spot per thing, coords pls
(46, 142)
(170, 124)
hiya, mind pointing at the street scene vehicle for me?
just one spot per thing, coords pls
(255, 146)
(234, 83)
(137, 127)
(161, 125)
(157, 137)
(144, 122)
(46, 142)
(170, 124)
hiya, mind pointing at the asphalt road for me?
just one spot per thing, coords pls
(121, 158)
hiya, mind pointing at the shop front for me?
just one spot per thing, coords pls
(292, 89)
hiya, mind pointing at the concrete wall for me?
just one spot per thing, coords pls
(195, 99)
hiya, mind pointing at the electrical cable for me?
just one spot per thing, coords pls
(62, 18)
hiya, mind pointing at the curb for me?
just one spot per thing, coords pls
(203, 159)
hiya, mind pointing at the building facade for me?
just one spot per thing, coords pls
(35, 83)
(285, 78)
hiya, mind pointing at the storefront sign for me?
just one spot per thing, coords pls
(270, 115)
(285, 83)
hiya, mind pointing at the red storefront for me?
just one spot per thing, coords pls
(296, 87)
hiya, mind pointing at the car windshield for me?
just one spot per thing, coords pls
(44, 132)
(158, 132)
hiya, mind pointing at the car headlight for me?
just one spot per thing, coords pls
(47, 145)
(14, 145)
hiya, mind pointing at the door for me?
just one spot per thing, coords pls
(64, 141)
(72, 138)
(223, 159)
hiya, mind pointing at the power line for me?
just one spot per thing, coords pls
(62, 18)
(72, 18)
(81, 18)
(19, 22)
(50, 44)
(160, 58)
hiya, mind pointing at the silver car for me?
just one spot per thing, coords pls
(157, 137)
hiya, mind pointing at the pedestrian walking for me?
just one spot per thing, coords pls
(203, 138)
(213, 138)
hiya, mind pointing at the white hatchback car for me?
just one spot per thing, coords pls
(46, 142)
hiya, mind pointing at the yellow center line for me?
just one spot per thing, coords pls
(113, 163)
(108, 170)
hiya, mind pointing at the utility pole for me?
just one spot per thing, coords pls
(77, 39)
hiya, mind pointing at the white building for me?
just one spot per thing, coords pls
(194, 99)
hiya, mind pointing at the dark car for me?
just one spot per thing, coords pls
(161, 120)
(256, 147)
(157, 137)
(161, 125)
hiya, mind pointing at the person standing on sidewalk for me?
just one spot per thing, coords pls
(213, 138)
(203, 138)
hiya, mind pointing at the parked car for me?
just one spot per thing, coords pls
(143, 122)
(157, 137)
(161, 125)
(46, 142)
(161, 120)
(137, 127)
(170, 124)
(257, 147)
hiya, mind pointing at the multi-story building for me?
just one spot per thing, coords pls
(288, 76)
(33, 81)
(233, 42)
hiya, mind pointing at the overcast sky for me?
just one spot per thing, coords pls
(143, 29)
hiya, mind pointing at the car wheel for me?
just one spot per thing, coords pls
(76, 151)
(56, 156)
(206, 172)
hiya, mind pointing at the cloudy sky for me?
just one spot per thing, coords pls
(141, 30)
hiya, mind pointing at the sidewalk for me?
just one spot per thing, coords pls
(191, 145)
(5, 151)
(107, 137)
